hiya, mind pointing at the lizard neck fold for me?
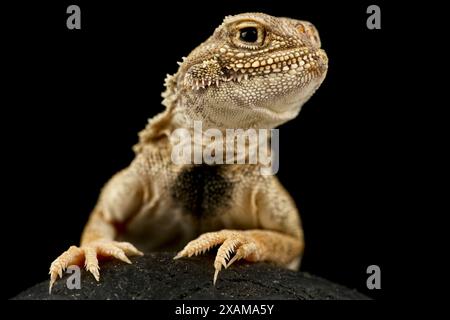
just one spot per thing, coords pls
(160, 127)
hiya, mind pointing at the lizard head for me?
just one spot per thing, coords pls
(254, 71)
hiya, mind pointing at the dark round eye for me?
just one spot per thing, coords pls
(249, 34)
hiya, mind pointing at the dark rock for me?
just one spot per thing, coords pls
(158, 276)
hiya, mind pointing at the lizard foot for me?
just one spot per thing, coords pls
(243, 244)
(88, 253)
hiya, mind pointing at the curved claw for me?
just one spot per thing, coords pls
(216, 273)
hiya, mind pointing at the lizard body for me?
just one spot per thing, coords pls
(255, 71)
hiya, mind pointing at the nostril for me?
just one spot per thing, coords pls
(301, 28)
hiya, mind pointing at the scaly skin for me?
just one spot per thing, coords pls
(255, 71)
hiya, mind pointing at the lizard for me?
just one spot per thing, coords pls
(254, 71)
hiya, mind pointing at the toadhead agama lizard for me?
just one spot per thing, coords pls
(255, 71)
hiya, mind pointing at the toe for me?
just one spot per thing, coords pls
(225, 251)
(108, 249)
(202, 244)
(53, 277)
(128, 248)
(223, 254)
(91, 262)
(245, 251)
(179, 255)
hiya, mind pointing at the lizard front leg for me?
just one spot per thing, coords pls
(121, 198)
(279, 239)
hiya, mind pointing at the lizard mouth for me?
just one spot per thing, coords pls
(291, 64)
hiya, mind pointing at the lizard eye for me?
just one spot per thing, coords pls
(250, 35)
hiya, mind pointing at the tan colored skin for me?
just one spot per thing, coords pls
(226, 82)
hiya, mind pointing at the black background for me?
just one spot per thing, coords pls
(81, 96)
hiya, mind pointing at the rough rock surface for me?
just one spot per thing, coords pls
(158, 276)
